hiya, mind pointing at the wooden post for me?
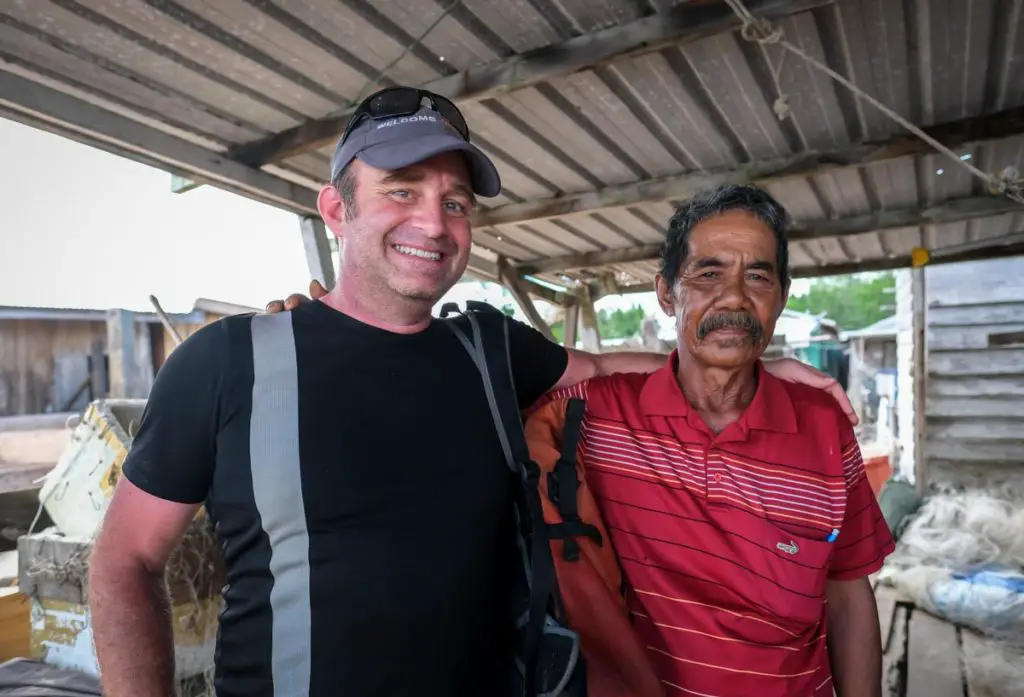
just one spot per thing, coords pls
(318, 250)
(519, 290)
(572, 323)
(920, 377)
(588, 323)
(98, 370)
(125, 375)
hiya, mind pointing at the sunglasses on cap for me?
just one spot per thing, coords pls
(393, 102)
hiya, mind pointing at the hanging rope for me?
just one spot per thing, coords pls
(417, 41)
(761, 31)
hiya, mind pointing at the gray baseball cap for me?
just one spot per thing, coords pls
(396, 142)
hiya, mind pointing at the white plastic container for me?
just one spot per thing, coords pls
(76, 492)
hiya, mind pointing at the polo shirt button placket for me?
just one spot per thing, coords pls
(714, 477)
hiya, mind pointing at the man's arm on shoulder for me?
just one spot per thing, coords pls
(854, 640)
(166, 477)
(584, 366)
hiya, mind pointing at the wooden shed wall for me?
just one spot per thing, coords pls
(974, 392)
(31, 351)
(44, 361)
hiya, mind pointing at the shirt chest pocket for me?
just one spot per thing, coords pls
(787, 521)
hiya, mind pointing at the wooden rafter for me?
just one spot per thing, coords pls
(955, 134)
(952, 211)
(520, 291)
(680, 25)
(44, 107)
(952, 255)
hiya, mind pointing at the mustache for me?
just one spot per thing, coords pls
(731, 320)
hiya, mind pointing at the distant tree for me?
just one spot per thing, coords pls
(620, 324)
(617, 324)
(509, 309)
(852, 301)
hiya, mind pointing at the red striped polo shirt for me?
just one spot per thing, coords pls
(724, 540)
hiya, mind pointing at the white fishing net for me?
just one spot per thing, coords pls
(961, 558)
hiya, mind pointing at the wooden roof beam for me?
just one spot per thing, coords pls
(681, 25)
(1010, 246)
(996, 251)
(487, 270)
(1004, 124)
(518, 287)
(41, 106)
(952, 211)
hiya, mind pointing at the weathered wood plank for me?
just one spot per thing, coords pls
(975, 451)
(981, 336)
(965, 315)
(1006, 337)
(22, 476)
(981, 386)
(894, 659)
(974, 407)
(991, 667)
(885, 599)
(1008, 426)
(959, 287)
(973, 672)
(933, 658)
(1001, 361)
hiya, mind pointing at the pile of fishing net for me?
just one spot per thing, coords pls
(960, 556)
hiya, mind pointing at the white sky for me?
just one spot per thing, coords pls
(83, 228)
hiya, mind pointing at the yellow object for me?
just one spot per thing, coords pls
(77, 491)
(14, 624)
(919, 257)
(54, 572)
(60, 634)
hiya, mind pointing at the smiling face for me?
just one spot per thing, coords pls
(728, 293)
(406, 235)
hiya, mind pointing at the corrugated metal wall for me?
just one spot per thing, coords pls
(974, 393)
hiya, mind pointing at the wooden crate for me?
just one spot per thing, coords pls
(53, 574)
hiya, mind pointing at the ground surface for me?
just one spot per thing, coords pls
(925, 656)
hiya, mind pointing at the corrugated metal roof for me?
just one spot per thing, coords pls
(224, 74)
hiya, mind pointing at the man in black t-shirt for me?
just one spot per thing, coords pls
(345, 451)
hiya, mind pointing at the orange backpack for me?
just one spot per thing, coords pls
(587, 569)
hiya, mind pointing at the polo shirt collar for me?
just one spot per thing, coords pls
(770, 410)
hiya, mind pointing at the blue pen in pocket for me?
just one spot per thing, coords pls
(832, 535)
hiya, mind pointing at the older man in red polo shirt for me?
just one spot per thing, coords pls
(737, 503)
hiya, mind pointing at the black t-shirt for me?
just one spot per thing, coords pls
(360, 493)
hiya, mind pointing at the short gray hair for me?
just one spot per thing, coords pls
(713, 202)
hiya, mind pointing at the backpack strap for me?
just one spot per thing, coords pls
(493, 360)
(564, 485)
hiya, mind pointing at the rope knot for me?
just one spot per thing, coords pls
(761, 31)
(1008, 182)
